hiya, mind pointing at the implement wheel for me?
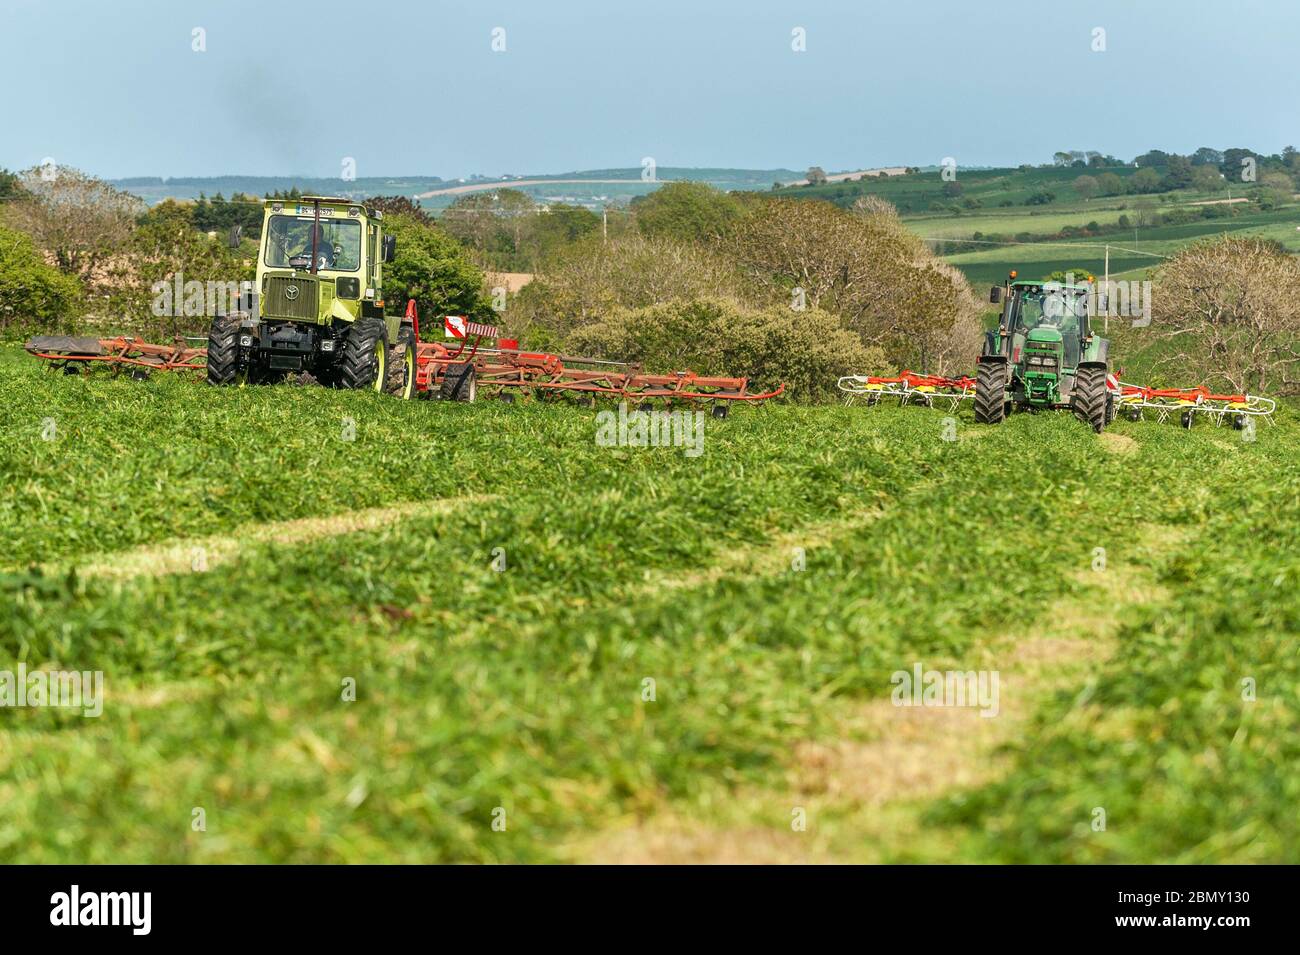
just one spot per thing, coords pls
(364, 362)
(991, 392)
(1090, 394)
(458, 383)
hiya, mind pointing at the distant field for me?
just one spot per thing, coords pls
(1040, 258)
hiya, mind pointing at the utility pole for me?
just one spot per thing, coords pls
(604, 224)
(1105, 290)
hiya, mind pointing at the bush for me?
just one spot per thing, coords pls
(595, 277)
(807, 350)
(34, 296)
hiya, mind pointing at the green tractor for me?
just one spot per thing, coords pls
(1043, 355)
(317, 305)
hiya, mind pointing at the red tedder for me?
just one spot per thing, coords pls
(504, 366)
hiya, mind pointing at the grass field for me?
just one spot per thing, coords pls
(229, 560)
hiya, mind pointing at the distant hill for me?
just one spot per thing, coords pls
(619, 185)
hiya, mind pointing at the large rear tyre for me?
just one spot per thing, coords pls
(1090, 397)
(991, 392)
(364, 361)
(401, 365)
(223, 351)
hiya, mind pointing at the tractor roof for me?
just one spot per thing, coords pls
(326, 200)
(1030, 283)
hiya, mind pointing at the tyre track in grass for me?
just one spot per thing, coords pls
(876, 777)
(194, 554)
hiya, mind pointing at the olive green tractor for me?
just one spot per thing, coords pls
(317, 304)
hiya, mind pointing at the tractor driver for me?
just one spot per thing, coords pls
(324, 249)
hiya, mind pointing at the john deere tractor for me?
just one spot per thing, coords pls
(1043, 355)
(317, 304)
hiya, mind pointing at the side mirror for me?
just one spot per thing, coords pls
(232, 239)
(390, 247)
(995, 294)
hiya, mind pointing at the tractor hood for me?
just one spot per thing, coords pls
(1044, 335)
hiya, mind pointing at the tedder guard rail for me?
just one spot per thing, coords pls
(910, 387)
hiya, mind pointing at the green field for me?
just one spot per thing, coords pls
(229, 560)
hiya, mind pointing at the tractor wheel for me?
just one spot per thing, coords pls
(1090, 394)
(991, 392)
(401, 365)
(223, 350)
(1111, 410)
(1187, 418)
(458, 383)
(364, 361)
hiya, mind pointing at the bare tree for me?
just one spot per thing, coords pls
(1228, 313)
(81, 221)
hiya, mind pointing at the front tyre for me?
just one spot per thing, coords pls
(991, 392)
(364, 361)
(223, 351)
(1090, 394)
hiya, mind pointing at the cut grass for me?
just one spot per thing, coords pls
(525, 690)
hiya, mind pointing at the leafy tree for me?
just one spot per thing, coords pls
(1040, 197)
(10, 185)
(1111, 184)
(400, 206)
(218, 215)
(164, 246)
(432, 268)
(1145, 180)
(877, 276)
(952, 189)
(1155, 157)
(1086, 186)
(686, 212)
(816, 176)
(1178, 173)
(33, 295)
(1235, 163)
(1207, 178)
(1207, 156)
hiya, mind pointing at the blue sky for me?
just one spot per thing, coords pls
(409, 87)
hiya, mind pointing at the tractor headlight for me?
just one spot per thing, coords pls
(246, 340)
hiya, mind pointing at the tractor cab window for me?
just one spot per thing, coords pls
(1062, 309)
(289, 243)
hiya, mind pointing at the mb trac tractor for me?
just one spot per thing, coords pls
(1043, 355)
(317, 305)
